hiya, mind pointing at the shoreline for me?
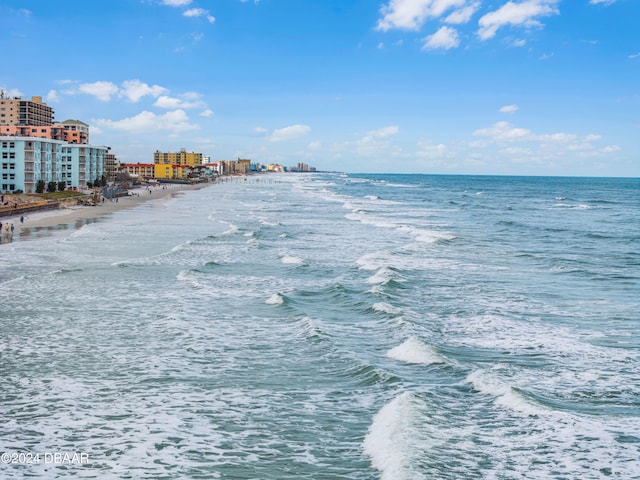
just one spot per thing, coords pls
(81, 215)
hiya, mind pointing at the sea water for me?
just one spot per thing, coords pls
(326, 326)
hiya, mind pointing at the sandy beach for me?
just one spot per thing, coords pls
(76, 216)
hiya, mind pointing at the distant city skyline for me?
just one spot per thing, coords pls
(530, 87)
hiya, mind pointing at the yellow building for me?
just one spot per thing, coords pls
(167, 171)
(177, 158)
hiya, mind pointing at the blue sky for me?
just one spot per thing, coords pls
(524, 87)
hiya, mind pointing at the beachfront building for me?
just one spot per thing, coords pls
(71, 131)
(54, 132)
(164, 171)
(82, 164)
(75, 131)
(243, 166)
(182, 157)
(24, 161)
(111, 166)
(19, 111)
(34, 148)
(142, 171)
(276, 167)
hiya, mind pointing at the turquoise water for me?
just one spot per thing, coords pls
(332, 327)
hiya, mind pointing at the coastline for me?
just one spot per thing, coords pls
(77, 216)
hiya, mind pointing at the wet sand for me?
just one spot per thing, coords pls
(81, 215)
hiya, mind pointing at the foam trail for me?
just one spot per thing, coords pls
(487, 383)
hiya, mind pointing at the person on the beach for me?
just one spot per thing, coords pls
(21, 218)
(12, 229)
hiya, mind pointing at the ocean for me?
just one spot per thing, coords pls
(330, 326)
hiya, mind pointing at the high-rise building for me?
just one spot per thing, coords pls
(111, 165)
(177, 158)
(33, 148)
(17, 111)
(24, 161)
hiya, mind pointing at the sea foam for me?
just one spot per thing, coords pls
(415, 351)
(387, 442)
(275, 299)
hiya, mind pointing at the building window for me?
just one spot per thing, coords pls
(12, 154)
(12, 166)
(5, 155)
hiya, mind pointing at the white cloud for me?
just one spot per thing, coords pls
(206, 113)
(635, 55)
(315, 145)
(411, 14)
(164, 101)
(189, 100)
(509, 109)
(429, 150)
(176, 3)
(52, 96)
(602, 2)
(556, 138)
(260, 130)
(101, 90)
(145, 121)
(463, 15)
(523, 13)
(288, 133)
(610, 149)
(531, 147)
(134, 90)
(445, 38)
(375, 141)
(503, 132)
(383, 132)
(199, 12)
